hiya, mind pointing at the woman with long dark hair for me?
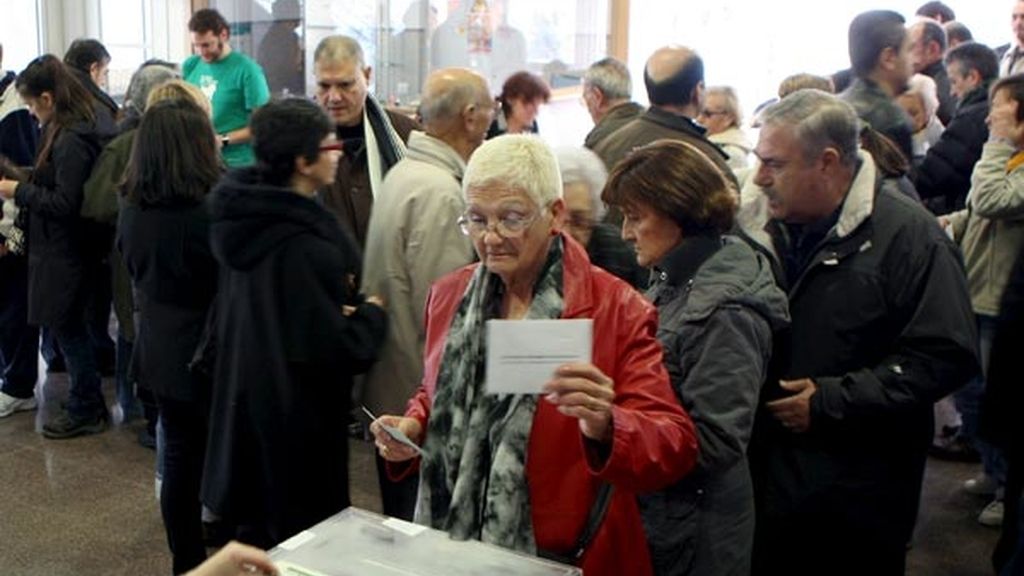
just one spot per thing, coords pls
(164, 236)
(59, 272)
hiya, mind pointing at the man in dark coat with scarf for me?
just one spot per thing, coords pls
(374, 138)
(291, 333)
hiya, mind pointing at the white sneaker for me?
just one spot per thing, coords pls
(981, 485)
(9, 404)
(992, 515)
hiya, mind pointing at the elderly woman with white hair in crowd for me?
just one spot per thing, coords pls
(921, 101)
(722, 117)
(525, 471)
(583, 179)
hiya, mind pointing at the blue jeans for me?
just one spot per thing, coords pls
(85, 400)
(968, 402)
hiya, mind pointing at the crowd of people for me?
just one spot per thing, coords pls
(784, 326)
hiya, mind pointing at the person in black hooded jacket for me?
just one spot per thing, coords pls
(292, 331)
(60, 278)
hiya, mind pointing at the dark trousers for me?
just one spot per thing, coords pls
(97, 323)
(398, 498)
(185, 425)
(1008, 558)
(97, 318)
(19, 342)
(86, 398)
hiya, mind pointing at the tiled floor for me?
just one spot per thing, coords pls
(86, 506)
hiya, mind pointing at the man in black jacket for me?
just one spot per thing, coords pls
(882, 327)
(927, 46)
(944, 176)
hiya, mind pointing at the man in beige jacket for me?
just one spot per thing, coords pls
(414, 239)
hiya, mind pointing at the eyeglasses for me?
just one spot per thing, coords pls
(509, 224)
(711, 113)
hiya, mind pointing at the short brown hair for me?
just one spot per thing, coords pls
(526, 86)
(1014, 86)
(677, 180)
(801, 81)
(207, 20)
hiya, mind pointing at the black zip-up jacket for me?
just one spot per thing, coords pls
(944, 176)
(882, 323)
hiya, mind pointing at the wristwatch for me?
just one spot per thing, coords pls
(224, 140)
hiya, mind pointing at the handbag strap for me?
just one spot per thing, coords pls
(594, 519)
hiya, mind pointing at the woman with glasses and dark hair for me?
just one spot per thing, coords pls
(61, 274)
(164, 236)
(718, 307)
(292, 332)
(555, 474)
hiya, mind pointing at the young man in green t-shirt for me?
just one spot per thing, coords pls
(233, 82)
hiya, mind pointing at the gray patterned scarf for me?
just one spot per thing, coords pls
(473, 472)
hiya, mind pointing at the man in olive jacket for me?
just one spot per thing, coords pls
(882, 327)
(674, 76)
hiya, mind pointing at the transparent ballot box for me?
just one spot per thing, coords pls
(358, 542)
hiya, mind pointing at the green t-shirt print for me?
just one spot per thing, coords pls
(235, 86)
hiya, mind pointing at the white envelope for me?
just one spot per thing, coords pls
(522, 355)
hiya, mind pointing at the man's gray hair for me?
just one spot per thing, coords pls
(578, 164)
(611, 77)
(820, 120)
(339, 48)
(518, 162)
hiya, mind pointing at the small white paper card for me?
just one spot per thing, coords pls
(522, 355)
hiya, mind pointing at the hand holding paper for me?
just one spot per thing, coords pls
(583, 391)
(394, 436)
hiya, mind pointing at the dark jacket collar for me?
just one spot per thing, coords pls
(683, 261)
(979, 94)
(934, 69)
(674, 122)
(251, 219)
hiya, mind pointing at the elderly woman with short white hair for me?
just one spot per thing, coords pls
(723, 119)
(583, 180)
(526, 471)
(921, 102)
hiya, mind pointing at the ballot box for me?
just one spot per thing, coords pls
(358, 542)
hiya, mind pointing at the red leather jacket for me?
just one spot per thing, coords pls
(653, 443)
